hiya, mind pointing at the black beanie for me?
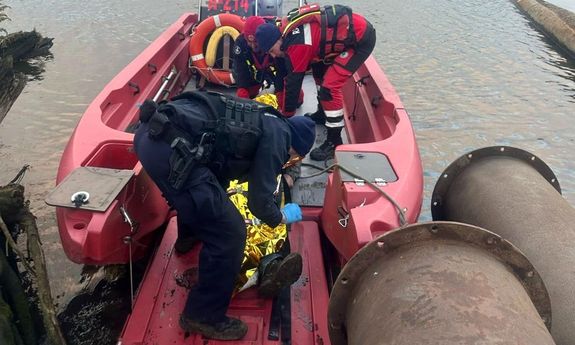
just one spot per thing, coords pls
(267, 35)
(302, 134)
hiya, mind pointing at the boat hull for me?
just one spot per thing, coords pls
(376, 125)
(101, 139)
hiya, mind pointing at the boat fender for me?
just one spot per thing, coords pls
(212, 48)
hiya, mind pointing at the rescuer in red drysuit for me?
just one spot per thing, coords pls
(333, 42)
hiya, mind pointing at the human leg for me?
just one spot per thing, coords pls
(331, 96)
(220, 227)
(331, 102)
(318, 71)
(186, 238)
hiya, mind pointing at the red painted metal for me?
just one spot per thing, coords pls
(160, 300)
(100, 140)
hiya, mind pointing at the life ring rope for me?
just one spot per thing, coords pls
(215, 38)
(214, 75)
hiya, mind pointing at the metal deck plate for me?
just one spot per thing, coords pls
(373, 166)
(102, 184)
(309, 191)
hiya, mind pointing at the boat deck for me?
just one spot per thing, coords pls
(169, 276)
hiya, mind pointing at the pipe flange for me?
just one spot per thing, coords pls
(459, 165)
(413, 235)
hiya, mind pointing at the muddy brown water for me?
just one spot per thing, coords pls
(470, 73)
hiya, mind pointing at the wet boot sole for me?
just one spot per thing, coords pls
(287, 273)
(210, 332)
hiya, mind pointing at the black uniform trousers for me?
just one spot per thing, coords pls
(204, 211)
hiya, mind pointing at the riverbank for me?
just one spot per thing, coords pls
(556, 22)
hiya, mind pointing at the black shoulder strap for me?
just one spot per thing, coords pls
(330, 15)
(323, 29)
(208, 98)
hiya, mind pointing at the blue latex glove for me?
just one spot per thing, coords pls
(291, 213)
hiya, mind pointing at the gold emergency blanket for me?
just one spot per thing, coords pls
(269, 99)
(261, 239)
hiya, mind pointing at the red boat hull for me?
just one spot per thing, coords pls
(160, 300)
(376, 123)
(101, 140)
(388, 132)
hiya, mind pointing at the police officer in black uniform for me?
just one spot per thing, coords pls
(192, 147)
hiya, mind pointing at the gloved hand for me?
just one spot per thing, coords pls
(291, 213)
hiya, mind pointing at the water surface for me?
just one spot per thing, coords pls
(471, 74)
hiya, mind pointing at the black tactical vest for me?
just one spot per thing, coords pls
(226, 137)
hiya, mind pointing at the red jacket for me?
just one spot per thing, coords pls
(301, 46)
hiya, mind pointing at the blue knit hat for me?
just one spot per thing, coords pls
(267, 35)
(302, 134)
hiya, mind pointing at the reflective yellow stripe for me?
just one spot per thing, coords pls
(212, 48)
(289, 26)
(253, 68)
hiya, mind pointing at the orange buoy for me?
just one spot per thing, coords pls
(203, 30)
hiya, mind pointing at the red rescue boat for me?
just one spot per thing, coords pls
(109, 210)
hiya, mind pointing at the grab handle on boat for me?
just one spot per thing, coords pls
(135, 87)
(344, 220)
(344, 216)
(164, 89)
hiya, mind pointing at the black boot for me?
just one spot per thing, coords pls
(278, 274)
(327, 150)
(184, 245)
(318, 117)
(230, 329)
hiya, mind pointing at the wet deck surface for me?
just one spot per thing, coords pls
(163, 293)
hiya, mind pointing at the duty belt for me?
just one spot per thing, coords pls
(186, 152)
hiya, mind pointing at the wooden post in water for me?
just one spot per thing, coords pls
(14, 208)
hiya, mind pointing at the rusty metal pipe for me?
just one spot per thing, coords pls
(439, 283)
(513, 193)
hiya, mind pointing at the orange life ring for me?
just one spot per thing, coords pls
(203, 30)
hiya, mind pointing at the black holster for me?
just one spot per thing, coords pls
(185, 157)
